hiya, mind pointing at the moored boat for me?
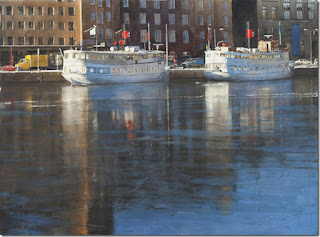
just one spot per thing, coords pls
(130, 65)
(267, 62)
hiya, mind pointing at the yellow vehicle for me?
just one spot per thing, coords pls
(31, 61)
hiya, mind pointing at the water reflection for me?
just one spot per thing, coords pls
(178, 158)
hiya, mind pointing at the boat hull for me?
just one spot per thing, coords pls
(225, 76)
(96, 79)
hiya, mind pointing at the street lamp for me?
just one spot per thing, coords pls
(215, 37)
(310, 41)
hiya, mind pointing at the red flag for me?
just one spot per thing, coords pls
(208, 37)
(250, 34)
(148, 36)
(125, 34)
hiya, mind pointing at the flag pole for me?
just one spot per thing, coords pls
(279, 33)
(149, 43)
(167, 46)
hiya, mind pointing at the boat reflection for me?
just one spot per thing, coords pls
(108, 129)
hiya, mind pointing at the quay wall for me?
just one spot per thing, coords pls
(175, 74)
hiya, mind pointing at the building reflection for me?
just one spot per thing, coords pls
(110, 149)
(109, 129)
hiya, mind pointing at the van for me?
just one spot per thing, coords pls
(193, 62)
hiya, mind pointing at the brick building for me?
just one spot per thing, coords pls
(50, 25)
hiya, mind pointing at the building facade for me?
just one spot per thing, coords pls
(28, 25)
(298, 20)
(51, 25)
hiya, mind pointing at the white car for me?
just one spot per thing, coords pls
(302, 62)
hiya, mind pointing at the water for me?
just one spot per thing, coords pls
(183, 158)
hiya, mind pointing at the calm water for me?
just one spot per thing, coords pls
(183, 158)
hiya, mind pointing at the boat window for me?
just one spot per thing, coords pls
(82, 56)
(66, 55)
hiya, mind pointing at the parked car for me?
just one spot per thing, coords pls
(302, 61)
(193, 62)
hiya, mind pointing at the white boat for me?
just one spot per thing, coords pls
(266, 62)
(131, 65)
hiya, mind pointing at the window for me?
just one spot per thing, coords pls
(92, 2)
(21, 10)
(156, 4)
(143, 3)
(143, 18)
(100, 18)
(70, 25)
(299, 9)
(51, 25)
(185, 20)
(171, 4)
(143, 36)
(92, 15)
(157, 19)
(1, 12)
(202, 35)
(225, 36)
(185, 36)
(1, 25)
(21, 40)
(172, 19)
(50, 11)
(172, 36)
(225, 20)
(21, 25)
(264, 12)
(40, 41)
(225, 6)
(31, 40)
(125, 3)
(109, 34)
(61, 25)
(108, 16)
(201, 20)
(201, 4)
(274, 13)
(108, 3)
(71, 40)
(185, 4)
(40, 25)
(209, 20)
(286, 9)
(40, 11)
(311, 9)
(157, 36)
(71, 11)
(10, 40)
(9, 25)
(61, 11)
(1, 40)
(99, 3)
(8, 10)
(31, 25)
(100, 33)
(61, 41)
(126, 19)
(30, 11)
(50, 41)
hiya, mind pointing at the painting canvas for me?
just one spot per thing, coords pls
(184, 156)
